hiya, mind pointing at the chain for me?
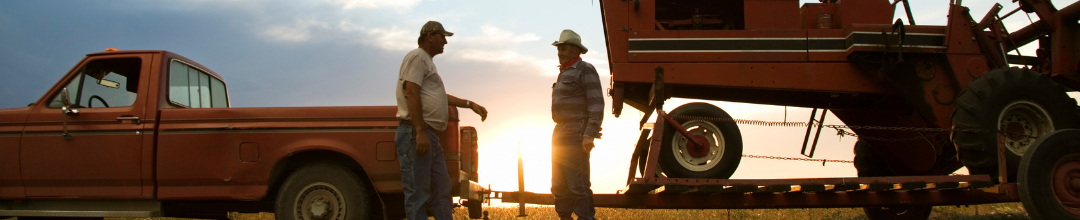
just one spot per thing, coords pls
(823, 161)
(841, 130)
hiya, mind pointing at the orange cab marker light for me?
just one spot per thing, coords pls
(111, 49)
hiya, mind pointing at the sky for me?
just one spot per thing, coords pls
(275, 53)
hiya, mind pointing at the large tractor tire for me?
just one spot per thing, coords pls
(718, 161)
(1049, 177)
(869, 164)
(1023, 103)
(325, 191)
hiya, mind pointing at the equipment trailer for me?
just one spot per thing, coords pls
(923, 100)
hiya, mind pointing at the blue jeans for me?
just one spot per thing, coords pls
(424, 177)
(570, 182)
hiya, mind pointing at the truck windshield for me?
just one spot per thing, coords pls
(103, 84)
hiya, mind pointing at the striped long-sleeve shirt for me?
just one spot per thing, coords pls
(577, 96)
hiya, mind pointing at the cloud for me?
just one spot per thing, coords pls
(491, 33)
(299, 31)
(393, 38)
(399, 5)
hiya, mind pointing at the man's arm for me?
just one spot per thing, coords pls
(416, 114)
(594, 103)
(463, 103)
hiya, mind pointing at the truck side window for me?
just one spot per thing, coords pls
(190, 87)
(104, 84)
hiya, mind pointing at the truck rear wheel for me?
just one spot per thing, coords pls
(1049, 177)
(325, 191)
(1023, 103)
(718, 161)
(869, 164)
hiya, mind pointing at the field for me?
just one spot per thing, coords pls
(988, 211)
(1000, 211)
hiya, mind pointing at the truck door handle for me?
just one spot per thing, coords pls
(134, 120)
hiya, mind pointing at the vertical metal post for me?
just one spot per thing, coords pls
(809, 127)
(821, 123)
(1003, 172)
(521, 184)
(907, 8)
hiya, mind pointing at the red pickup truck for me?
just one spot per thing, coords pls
(150, 133)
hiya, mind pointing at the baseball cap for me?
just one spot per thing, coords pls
(434, 27)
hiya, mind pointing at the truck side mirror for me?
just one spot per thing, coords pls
(64, 97)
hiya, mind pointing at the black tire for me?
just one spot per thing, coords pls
(344, 194)
(1042, 189)
(727, 146)
(1007, 93)
(870, 164)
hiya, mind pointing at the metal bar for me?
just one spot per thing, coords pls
(809, 126)
(678, 127)
(639, 151)
(1003, 172)
(821, 123)
(1010, 13)
(932, 197)
(827, 181)
(989, 17)
(907, 8)
(521, 182)
(1028, 34)
(654, 152)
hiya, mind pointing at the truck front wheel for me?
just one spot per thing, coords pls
(324, 191)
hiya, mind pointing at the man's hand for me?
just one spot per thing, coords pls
(587, 144)
(480, 110)
(422, 143)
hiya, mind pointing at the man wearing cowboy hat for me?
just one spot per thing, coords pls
(423, 107)
(577, 105)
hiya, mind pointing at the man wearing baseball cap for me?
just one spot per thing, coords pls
(423, 107)
(577, 105)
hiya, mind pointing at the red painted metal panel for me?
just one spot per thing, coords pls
(833, 77)
(865, 12)
(198, 148)
(641, 17)
(12, 121)
(105, 157)
(615, 19)
(771, 14)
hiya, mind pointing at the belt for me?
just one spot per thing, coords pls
(405, 121)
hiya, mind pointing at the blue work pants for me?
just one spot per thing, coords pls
(424, 177)
(570, 182)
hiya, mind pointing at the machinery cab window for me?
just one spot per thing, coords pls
(699, 15)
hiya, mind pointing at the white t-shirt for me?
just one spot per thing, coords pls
(417, 67)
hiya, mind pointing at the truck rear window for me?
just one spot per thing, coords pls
(192, 88)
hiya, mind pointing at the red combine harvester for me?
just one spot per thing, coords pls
(923, 100)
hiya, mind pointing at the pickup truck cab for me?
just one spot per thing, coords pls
(151, 133)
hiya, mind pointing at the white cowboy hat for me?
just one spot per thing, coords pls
(569, 37)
